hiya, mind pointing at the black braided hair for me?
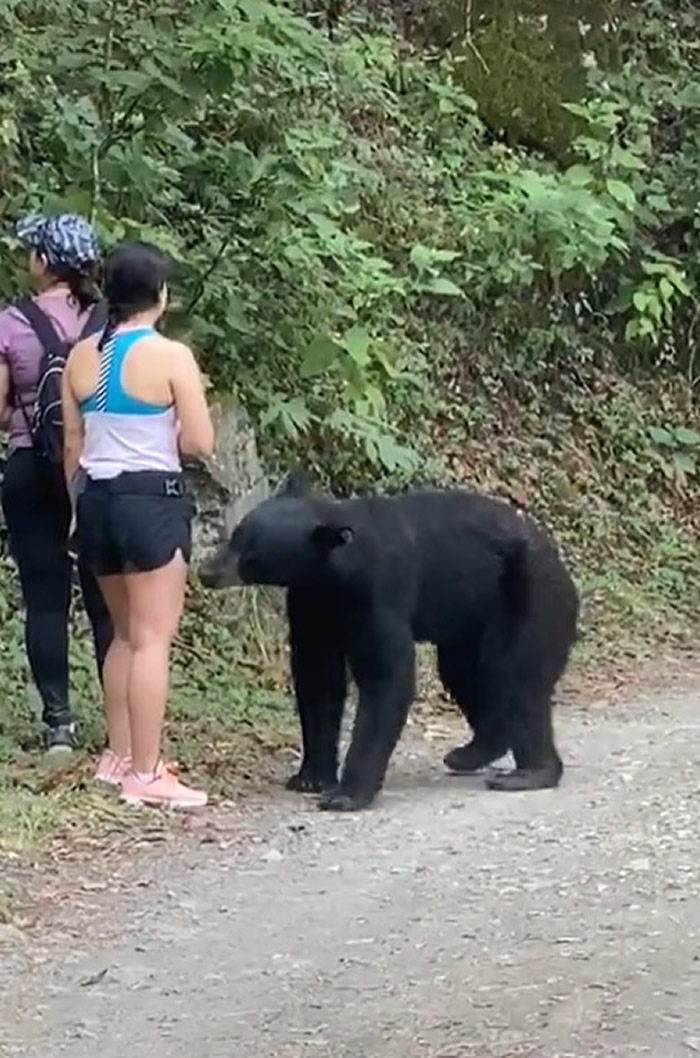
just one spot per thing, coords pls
(134, 275)
(115, 315)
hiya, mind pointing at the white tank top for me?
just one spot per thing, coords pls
(123, 433)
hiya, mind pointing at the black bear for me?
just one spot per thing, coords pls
(366, 579)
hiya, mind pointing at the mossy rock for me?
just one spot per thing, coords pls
(521, 60)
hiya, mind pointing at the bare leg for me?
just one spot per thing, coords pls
(156, 600)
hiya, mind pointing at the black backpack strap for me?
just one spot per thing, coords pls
(49, 340)
(96, 321)
(40, 324)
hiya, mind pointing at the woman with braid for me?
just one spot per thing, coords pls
(132, 402)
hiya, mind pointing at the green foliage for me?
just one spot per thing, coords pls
(218, 130)
(675, 451)
(321, 196)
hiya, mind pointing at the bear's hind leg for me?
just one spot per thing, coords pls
(538, 765)
(457, 668)
(523, 678)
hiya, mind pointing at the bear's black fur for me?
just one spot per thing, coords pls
(367, 578)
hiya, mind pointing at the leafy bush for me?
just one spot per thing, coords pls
(223, 131)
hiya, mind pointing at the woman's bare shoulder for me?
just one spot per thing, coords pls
(178, 354)
(84, 348)
(175, 347)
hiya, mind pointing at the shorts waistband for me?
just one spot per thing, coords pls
(140, 483)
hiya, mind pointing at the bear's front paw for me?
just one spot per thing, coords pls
(340, 800)
(307, 781)
(303, 782)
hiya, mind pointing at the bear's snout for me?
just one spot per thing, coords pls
(220, 569)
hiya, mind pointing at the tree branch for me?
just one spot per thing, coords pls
(105, 109)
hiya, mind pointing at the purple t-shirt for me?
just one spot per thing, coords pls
(21, 351)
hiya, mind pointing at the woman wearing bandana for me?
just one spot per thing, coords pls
(62, 262)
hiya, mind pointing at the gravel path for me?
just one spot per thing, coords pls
(448, 922)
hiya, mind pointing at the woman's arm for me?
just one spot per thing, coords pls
(5, 406)
(196, 429)
(6, 342)
(72, 428)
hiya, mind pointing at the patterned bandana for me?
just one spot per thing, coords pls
(66, 240)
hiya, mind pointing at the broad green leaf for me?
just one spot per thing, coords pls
(654, 307)
(292, 415)
(579, 175)
(626, 159)
(441, 285)
(640, 300)
(658, 268)
(421, 257)
(356, 342)
(658, 203)
(318, 356)
(642, 327)
(376, 404)
(665, 289)
(324, 225)
(622, 193)
(532, 183)
(685, 462)
(679, 281)
(689, 96)
(386, 357)
(686, 436)
(130, 79)
(660, 436)
(424, 257)
(394, 456)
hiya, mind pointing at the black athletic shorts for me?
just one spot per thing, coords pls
(134, 523)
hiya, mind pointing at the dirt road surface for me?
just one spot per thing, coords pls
(448, 922)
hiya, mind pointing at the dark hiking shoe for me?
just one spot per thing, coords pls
(59, 742)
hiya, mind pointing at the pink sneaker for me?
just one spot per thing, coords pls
(164, 790)
(111, 769)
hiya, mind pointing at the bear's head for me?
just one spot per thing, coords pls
(286, 540)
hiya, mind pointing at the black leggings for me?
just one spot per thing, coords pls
(37, 513)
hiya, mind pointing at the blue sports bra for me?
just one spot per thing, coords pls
(110, 396)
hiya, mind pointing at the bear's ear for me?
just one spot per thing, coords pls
(295, 484)
(328, 537)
